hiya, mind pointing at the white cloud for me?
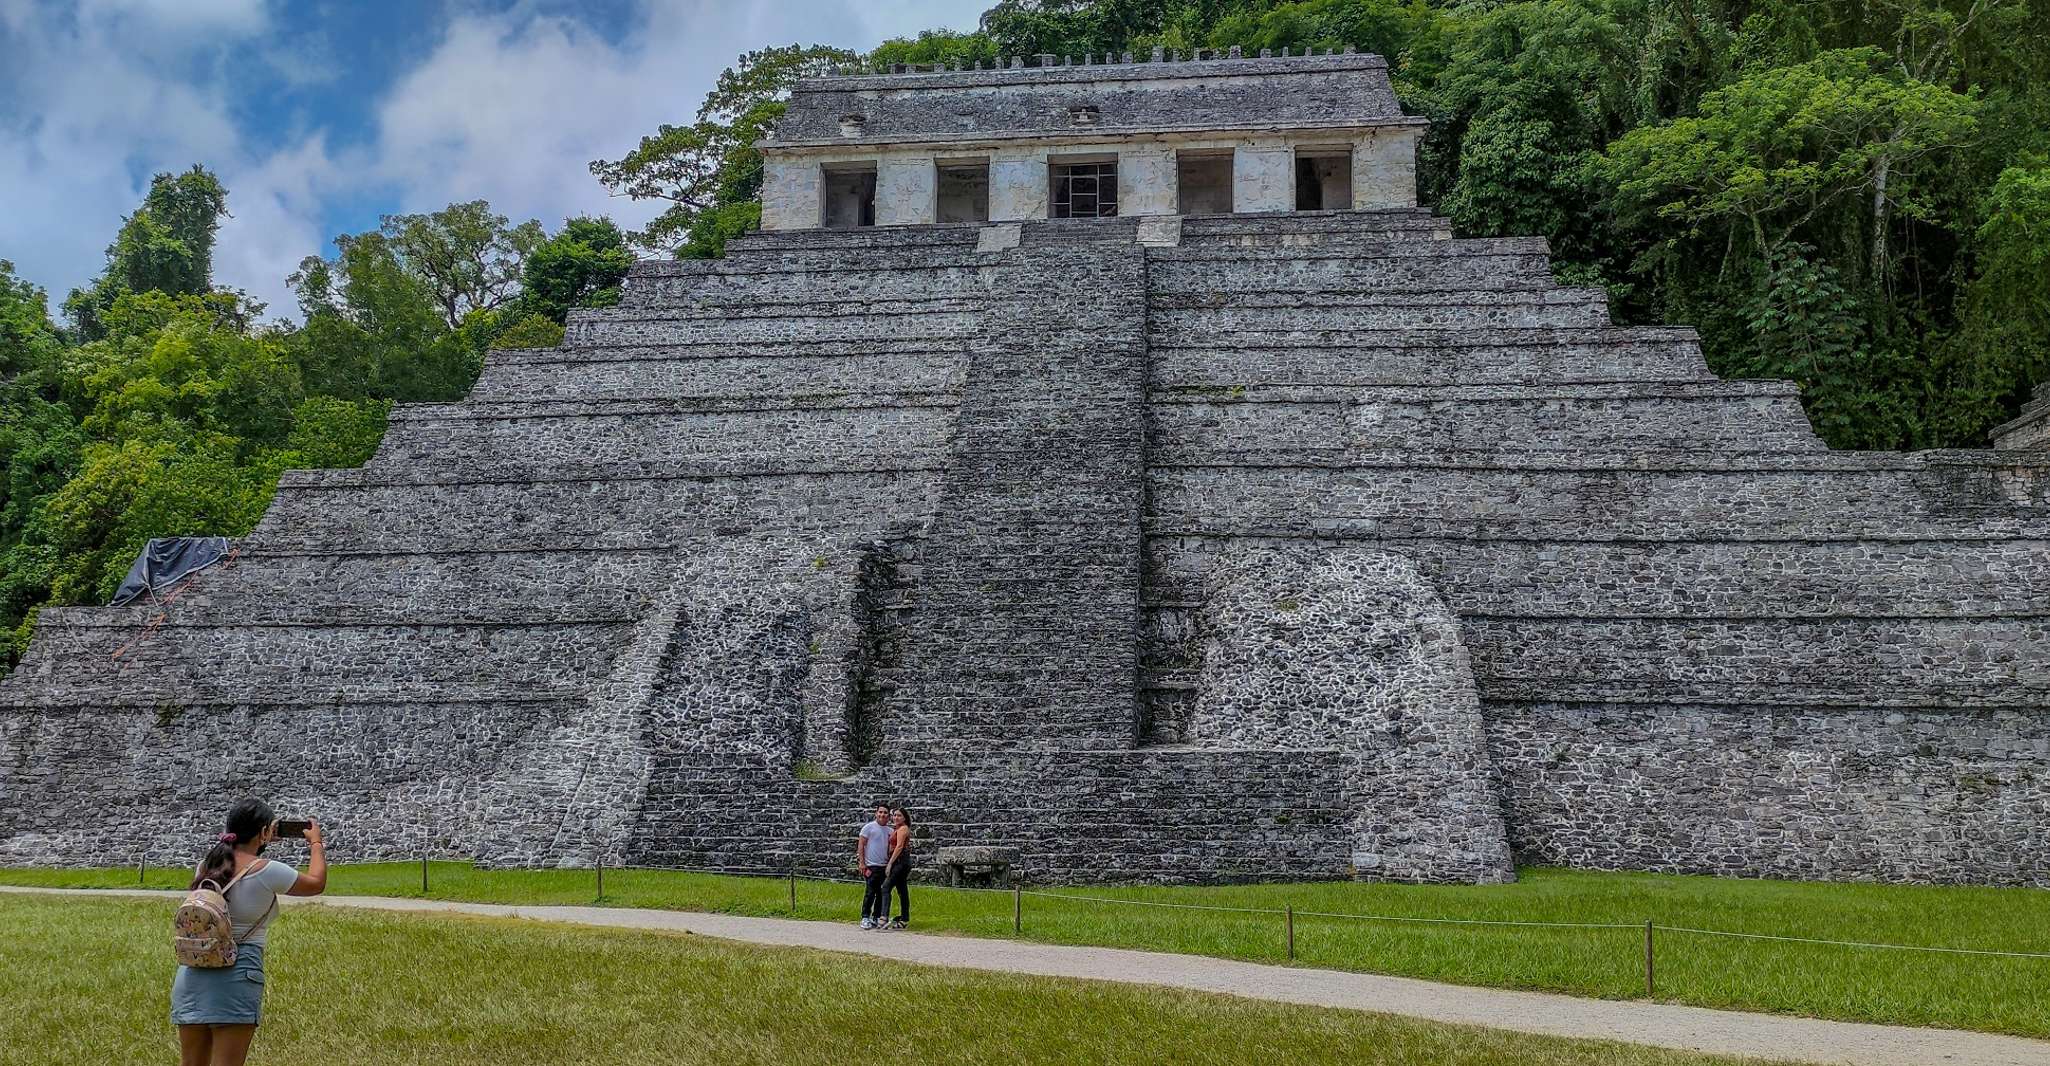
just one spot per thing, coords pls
(511, 107)
(274, 221)
(508, 106)
(80, 132)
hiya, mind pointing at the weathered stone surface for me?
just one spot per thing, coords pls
(1146, 182)
(1328, 90)
(907, 192)
(1263, 179)
(1350, 650)
(1384, 170)
(791, 196)
(1253, 117)
(1289, 545)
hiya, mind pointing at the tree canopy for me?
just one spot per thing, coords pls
(167, 245)
(169, 408)
(709, 172)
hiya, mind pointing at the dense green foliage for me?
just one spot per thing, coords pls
(167, 246)
(1829, 981)
(1847, 194)
(167, 409)
(709, 171)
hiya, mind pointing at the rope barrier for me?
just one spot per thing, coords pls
(1283, 912)
(1856, 943)
(1154, 903)
(1471, 921)
(1333, 914)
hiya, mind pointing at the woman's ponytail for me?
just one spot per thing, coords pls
(246, 821)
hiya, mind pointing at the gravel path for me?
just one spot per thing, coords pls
(1765, 1036)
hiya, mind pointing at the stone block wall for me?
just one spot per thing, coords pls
(1313, 545)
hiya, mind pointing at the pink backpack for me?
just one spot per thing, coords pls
(203, 934)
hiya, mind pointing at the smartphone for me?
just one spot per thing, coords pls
(292, 829)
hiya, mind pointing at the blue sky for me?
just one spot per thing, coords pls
(320, 115)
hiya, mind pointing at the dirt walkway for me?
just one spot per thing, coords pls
(1766, 1036)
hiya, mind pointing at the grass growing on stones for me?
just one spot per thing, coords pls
(92, 985)
(1858, 984)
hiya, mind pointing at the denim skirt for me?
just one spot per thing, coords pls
(230, 995)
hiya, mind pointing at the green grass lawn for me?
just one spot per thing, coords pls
(93, 985)
(1908, 988)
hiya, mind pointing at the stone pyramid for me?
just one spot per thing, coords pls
(1286, 545)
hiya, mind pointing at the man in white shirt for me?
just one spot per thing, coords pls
(872, 856)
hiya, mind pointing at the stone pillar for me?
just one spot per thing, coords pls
(1384, 169)
(1017, 185)
(907, 191)
(1263, 178)
(1146, 181)
(790, 194)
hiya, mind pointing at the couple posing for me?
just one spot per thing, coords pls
(884, 856)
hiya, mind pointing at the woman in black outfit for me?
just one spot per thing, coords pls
(899, 876)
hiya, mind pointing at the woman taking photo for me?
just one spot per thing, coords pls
(217, 1010)
(899, 876)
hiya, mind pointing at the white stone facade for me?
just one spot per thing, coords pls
(1293, 133)
(1263, 177)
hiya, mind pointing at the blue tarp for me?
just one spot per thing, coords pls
(165, 561)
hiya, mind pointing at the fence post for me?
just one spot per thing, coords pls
(142, 868)
(1650, 984)
(601, 878)
(1017, 909)
(423, 871)
(793, 884)
(1291, 932)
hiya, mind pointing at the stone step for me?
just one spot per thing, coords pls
(1285, 355)
(1886, 662)
(770, 261)
(1842, 577)
(1819, 496)
(1073, 232)
(1366, 246)
(537, 435)
(434, 588)
(1727, 416)
(478, 507)
(864, 285)
(727, 373)
(1310, 228)
(1179, 320)
(773, 326)
(91, 664)
(850, 241)
(794, 304)
(713, 348)
(1387, 266)
(483, 410)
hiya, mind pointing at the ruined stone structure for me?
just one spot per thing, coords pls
(1250, 527)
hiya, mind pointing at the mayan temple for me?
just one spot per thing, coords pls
(1109, 459)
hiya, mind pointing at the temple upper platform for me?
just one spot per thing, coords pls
(1098, 139)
